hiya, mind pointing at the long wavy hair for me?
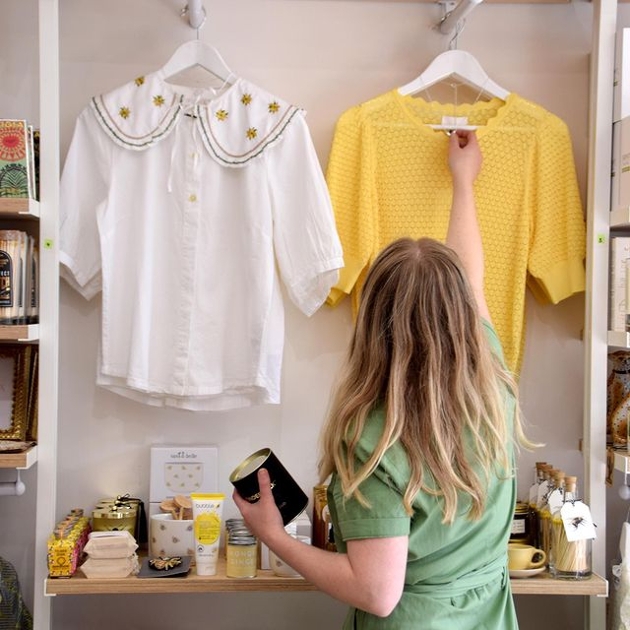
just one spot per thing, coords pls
(419, 350)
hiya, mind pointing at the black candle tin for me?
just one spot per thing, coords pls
(289, 497)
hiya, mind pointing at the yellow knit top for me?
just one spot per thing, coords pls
(388, 177)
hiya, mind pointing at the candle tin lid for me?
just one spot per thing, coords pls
(289, 497)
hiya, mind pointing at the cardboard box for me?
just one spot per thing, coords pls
(182, 470)
(620, 166)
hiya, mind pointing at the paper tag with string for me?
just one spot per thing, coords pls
(455, 122)
(577, 520)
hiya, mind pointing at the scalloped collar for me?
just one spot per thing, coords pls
(236, 126)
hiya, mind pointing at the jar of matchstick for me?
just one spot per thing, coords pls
(570, 559)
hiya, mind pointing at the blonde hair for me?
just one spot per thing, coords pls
(419, 350)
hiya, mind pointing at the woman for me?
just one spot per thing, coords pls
(419, 442)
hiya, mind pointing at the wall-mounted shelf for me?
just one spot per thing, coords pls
(544, 584)
(22, 460)
(266, 581)
(19, 208)
(27, 332)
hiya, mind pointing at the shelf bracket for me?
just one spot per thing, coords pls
(12, 488)
(196, 13)
(455, 13)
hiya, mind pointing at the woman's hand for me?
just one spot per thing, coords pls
(464, 157)
(262, 518)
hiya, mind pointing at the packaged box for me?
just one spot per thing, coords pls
(65, 545)
(619, 257)
(182, 470)
(621, 75)
(177, 469)
(620, 166)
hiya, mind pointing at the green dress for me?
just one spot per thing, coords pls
(456, 576)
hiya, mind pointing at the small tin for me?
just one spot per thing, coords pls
(289, 497)
(242, 555)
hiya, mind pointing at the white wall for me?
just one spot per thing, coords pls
(324, 55)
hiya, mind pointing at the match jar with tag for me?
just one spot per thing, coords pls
(573, 533)
(288, 496)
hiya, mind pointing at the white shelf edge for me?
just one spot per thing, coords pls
(31, 458)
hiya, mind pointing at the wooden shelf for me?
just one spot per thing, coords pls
(544, 584)
(192, 583)
(26, 332)
(266, 581)
(19, 460)
(19, 208)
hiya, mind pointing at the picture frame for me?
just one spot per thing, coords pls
(14, 391)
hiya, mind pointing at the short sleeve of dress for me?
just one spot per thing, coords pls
(385, 518)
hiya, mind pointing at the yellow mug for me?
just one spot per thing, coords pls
(522, 557)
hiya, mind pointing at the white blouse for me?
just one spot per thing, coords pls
(186, 210)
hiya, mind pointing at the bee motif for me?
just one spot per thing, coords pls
(164, 564)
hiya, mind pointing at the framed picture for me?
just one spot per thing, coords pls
(14, 391)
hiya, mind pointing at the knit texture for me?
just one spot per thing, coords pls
(388, 178)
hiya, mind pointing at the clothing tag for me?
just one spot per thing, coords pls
(455, 121)
(577, 520)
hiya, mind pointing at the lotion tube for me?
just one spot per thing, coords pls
(207, 515)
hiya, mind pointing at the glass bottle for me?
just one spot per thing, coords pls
(533, 503)
(544, 516)
(555, 501)
(571, 560)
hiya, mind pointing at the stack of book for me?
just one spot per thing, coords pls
(19, 159)
(19, 278)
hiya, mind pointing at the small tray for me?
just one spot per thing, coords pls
(181, 570)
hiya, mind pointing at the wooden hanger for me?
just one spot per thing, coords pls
(457, 64)
(196, 53)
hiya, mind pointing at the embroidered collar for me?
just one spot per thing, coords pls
(236, 126)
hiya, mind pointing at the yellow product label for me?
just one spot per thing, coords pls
(207, 528)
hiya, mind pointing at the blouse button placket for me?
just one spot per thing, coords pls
(190, 226)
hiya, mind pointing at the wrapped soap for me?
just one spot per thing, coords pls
(110, 567)
(113, 544)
